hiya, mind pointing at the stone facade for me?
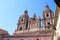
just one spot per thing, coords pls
(30, 28)
(25, 23)
(28, 38)
(48, 17)
(0, 37)
(37, 35)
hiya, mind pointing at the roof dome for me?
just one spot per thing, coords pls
(46, 8)
(3, 32)
(25, 11)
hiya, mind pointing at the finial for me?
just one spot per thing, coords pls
(47, 5)
(34, 15)
(26, 11)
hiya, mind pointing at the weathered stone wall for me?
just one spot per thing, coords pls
(29, 38)
(0, 37)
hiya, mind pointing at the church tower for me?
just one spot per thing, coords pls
(48, 17)
(23, 22)
(34, 22)
(26, 24)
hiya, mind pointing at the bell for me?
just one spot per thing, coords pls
(57, 2)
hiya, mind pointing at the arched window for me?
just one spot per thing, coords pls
(21, 39)
(48, 23)
(37, 39)
(22, 20)
(20, 28)
(47, 15)
(7, 39)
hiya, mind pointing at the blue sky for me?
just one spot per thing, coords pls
(11, 10)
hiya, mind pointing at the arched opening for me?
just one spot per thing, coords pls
(7, 39)
(47, 15)
(20, 28)
(21, 39)
(21, 20)
(37, 39)
(48, 23)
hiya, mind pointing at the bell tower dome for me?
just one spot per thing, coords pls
(23, 22)
(48, 19)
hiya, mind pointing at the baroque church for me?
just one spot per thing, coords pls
(31, 29)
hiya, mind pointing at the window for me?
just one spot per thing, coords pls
(47, 15)
(21, 19)
(20, 28)
(37, 39)
(48, 23)
(21, 39)
(7, 39)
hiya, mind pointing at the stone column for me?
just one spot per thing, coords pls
(57, 23)
(57, 20)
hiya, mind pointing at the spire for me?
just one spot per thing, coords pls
(47, 5)
(25, 11)
(26, 14)
(34, 15)
(46, 8)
